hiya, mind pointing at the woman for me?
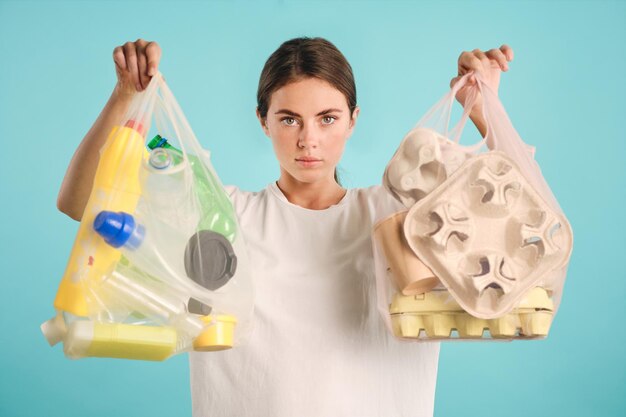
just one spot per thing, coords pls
(318, 346)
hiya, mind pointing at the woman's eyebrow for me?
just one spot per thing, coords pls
(323, 112)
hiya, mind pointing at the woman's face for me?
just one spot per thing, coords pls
(309, 123)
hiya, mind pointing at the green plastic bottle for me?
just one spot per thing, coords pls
(217, 210)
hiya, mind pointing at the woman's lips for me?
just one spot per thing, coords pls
(308, 162)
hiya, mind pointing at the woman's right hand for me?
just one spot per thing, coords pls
(135, 64)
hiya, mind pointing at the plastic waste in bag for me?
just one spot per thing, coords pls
(217, 211)
(159, 265)
(482, 248)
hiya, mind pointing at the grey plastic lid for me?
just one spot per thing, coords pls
(210, 259)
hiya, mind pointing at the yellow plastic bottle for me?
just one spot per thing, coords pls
(118, 340)
(116, 187)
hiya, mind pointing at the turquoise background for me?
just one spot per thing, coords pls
(564, 93)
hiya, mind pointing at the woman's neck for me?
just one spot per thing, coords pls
(313, 196)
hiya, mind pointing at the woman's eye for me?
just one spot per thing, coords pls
(289, 121)
(327, 120)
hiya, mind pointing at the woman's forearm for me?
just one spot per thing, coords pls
(481, 124)
(78, 181)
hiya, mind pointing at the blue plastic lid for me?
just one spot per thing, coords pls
(118, 229)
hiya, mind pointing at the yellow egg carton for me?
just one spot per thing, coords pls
(437, 315)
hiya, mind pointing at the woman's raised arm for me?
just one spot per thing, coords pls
(490, 65)
(135, 64)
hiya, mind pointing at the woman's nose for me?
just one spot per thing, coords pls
(308, 137)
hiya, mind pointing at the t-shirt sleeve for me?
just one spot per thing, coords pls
(380, 203)
(240, 199)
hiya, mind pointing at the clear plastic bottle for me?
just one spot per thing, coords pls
(217, 210)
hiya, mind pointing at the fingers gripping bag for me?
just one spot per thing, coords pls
(481, 248)
(159, 264)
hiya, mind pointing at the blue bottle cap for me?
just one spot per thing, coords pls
(118, 229)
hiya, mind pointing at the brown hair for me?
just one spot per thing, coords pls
(305, 57)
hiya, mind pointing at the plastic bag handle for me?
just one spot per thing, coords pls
(446, 104)
(158, 94)
(492, 109)
(142, 105)
(455, 133)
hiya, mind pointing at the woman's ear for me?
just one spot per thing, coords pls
(263, 122)
(355, 115)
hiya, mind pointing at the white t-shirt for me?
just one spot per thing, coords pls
(318, 346)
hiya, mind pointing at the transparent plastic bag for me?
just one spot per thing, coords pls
(159, 264)
(482, 248)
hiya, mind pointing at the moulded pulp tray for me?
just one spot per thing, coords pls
(422, 162)
(435, 315)
(488, 235)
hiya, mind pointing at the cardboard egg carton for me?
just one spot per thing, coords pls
(437, 315)
(488, 235)
(421, 163)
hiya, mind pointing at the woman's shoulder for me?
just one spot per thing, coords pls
(375, 193)
(235, 192)
(242, 199)
(377, 200)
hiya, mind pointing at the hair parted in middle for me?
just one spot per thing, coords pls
(305, 57)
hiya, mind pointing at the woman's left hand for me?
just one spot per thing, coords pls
(489, 64)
